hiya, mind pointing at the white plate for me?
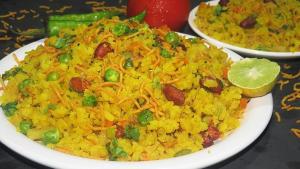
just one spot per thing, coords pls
(245, 51)
(256, 118)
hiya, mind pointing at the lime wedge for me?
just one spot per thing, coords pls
(256, 77)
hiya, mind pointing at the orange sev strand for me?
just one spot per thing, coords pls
(2, 84)
(278, 117)
(4, 38)
(136, 104)
(282, 83)
(172, 81)
(105, 84)
(290, 76)
(123, 100)
(59, 96)
(296, 132)
(62, 149)
(44, 7)
(20, 17)
(296, 87)
(243, 103)
(142, 108)
(16, 59)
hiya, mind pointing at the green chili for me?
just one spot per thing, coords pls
(138, 18)
(84, 17)
(53, 26)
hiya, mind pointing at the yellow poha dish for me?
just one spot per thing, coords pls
(118, 90)
(265, 25)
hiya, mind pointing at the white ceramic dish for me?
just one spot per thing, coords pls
(256, 118)
(244, 51)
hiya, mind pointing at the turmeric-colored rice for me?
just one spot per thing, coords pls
(108, 129)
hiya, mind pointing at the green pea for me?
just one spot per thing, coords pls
(183, 152)
(24, 84)
(145, 117)
(111, 75)
(128, 63)
(90, 101)
(132, 133)
(165, 53)
(172, 38)
(65, 58)
(51, 136)
(25, 126)
(53, 76)
(9, 108)
(120, 29)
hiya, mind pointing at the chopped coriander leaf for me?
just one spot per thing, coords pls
(9, 108)
(132, 133)
(114, 150)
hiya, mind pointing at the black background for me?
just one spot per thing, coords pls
(276, 148)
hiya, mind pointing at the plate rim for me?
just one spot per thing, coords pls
(32, 150)
(246, 51)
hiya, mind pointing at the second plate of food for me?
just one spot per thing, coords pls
(250, 31)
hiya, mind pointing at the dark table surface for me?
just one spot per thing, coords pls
(276, 148)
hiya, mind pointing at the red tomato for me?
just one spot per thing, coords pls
(173, 13)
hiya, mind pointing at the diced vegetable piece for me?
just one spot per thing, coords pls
(132, 133)
(53, 76)
(145, 117)
(114, 150)
(24, 84)
(25, 126)
(51, 136)
(65, 58)
(120, 29)
(9, 108)
(90, 101)
(165, 53)
(111, 75)
(128, 63)
(172, 38)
